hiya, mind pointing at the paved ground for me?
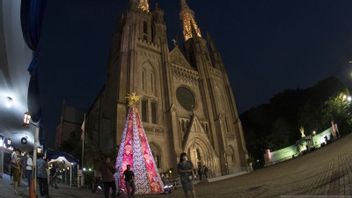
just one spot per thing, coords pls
(327, 171)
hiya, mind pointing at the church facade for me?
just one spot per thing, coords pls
(187, 103)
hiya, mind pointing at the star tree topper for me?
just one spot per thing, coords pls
(132, 99)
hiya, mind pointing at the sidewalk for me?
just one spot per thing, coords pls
(7, 191)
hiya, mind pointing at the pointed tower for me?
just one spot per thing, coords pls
(190, 27)
(220, 109)
(143, 5)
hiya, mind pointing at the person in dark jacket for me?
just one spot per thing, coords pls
(185, 170)
(42, 176)
(129, 179)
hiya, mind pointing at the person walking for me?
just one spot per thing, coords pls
(107, 171)
(129, 180)
(15, 169)
(42, 176)
(29, 168)
(185, 170)
(53, 176)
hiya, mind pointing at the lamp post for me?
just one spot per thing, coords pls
(27, 121)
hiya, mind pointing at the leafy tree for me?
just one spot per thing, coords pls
(73, 145)
(338, 109)
(276, 125)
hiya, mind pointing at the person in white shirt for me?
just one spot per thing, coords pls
(29, 168)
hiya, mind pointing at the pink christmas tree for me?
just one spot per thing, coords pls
(135, 151)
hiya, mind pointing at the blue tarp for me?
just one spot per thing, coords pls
(32, 12)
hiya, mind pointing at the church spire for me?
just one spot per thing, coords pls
(190, 27)
(143, 5)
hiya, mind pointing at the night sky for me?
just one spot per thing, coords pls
(267, 46)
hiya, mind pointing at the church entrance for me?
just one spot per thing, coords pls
(199, 149)
(196, 155)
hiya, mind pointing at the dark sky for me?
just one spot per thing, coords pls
(267, 46)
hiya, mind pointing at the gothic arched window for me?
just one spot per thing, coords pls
(154, 112)
(152, 82)
(143, 79)
(144, 104)
(145, 27)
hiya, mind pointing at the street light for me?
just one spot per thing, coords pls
(26, 122)
(27, 119)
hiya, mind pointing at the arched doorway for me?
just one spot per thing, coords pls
(199, 149)
(196, 155)
(200, 152)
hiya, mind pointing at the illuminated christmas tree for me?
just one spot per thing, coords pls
(135, 151)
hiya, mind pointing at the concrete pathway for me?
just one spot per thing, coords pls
(7, 190)
(324, 173)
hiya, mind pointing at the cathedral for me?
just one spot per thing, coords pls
(187, 103)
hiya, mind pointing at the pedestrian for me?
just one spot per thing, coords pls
(12, 159)
(129, 181)
(117, 178)
(185, 170)
(205, 171)
(15, 169)
(42, 176)
(54, 175)
(200, 172)
(23, 163)
(29, 168)
(107, 171)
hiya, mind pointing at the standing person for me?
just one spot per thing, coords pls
(53, 176)
(42, 176)
(12, 161)
(200, 172)
(23, 162)
(107, 171)
(205, 170)
(15, 169)
(129, 179)
(185, 169)
(29, 168)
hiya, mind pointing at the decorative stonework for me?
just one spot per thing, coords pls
(148, 45)
(177, 58)
(217, 73)
(184, 74)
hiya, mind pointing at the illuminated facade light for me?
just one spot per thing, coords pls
(2, 141)
(190, 25)
(84, 169)
(143, 5)
(349, 98)
(27, 118)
